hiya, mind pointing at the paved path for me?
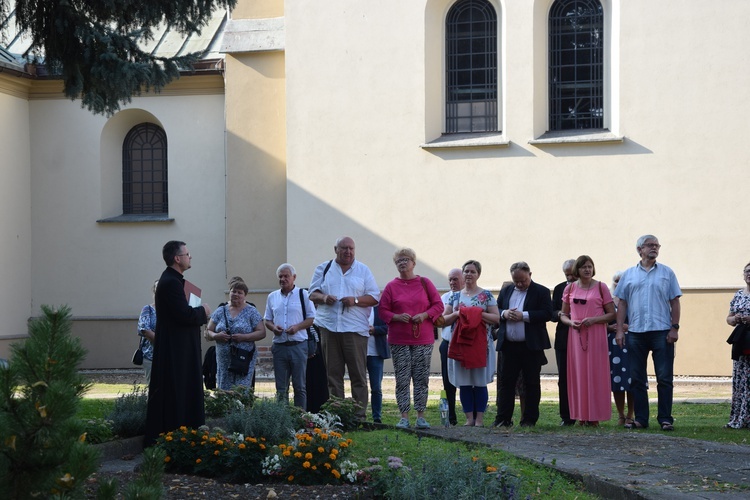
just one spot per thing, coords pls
(627, 464)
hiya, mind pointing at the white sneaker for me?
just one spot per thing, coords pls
(403, 423)
(422, 423)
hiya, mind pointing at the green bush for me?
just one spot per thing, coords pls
(98, 430)
(442, 474)
(43, 452)
(213, 454)
(345, 409)
(220, 403)
(129, 413)
(267, 418)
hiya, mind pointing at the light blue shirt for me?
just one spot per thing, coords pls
(648, 294)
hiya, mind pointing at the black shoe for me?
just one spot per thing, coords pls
(528, 424)
(502, 423)
(377, 420)
(567, 423)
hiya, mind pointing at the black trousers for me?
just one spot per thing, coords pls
(517, 358)
(450, 389)
(562, 383)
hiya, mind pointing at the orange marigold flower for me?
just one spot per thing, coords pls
(167, 458)
(219, 442)
(262, 446)
(297, 454)
(252, 440)
(317, 430)
(327, 465)
(183, 439)
(168, 438)
(286, 453)
(349, 441)
(332, 456)
(474, 459)
(335, 451)
(282, 446)
(321, 449)
(324, 436)
(336, 473)
(242, 446)
(308, 456)
(290, 478)
(216, 453)
(306, 465)
(193, 432)
(491, 468)
(183, 428)
(198, 460)
(344, 444)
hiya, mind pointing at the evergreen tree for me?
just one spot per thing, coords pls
(94, 43)
(42, 444)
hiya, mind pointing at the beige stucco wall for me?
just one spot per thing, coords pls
(361, 101)
(105, 270)
(15, 210)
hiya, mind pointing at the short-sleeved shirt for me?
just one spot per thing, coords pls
(356, 282)
(286, 310)
(147, 321)
(648, 294)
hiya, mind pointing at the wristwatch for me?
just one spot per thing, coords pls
(676, 326)
(356, 301)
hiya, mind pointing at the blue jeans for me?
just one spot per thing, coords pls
(662, 353)
(375, 372)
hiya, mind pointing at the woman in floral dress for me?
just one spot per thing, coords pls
(472, 382)
(739, 314)
(237, 323)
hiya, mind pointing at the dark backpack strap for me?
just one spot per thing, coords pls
(328, 266)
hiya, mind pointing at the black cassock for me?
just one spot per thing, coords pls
(175, 394)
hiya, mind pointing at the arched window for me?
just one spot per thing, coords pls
(576, 71)
(471, 67)
(144, 171)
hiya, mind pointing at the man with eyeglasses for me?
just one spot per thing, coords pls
(175, 393)
(345, 290)
(650, 299)
(561, 343)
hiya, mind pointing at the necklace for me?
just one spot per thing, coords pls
(580, 339)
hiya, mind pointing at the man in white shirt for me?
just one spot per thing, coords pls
(456, 283)
(285, 319)
(345, 290)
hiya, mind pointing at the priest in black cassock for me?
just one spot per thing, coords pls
(175, 394)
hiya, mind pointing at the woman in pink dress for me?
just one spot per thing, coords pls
(587, 308)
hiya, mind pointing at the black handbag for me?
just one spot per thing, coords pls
(239, 358)
(138, 356)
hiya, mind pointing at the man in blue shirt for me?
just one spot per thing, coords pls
(650, 299)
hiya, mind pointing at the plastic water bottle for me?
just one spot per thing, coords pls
(443, 407)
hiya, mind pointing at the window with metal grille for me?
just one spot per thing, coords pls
(471, 67)
(144, 170)
(576, 72)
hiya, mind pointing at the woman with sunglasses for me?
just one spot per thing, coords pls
(587, 308)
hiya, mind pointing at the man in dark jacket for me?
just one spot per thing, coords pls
(525, 310)
(561, 343)
(175, 394)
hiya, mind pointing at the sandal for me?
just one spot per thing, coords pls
(629, 420)
(622, 421)
(634, 425)
(666, 426)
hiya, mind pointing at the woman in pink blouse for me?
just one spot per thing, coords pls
(409, 305)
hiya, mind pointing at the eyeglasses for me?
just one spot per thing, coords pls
(402, 259)
(580, 301)
(184, 254)
(652, 245)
